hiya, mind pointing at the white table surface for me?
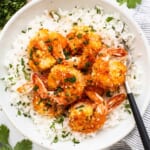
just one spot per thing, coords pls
(15, 135)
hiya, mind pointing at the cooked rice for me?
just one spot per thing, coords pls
(114, 32)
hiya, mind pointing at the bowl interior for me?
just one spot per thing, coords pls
(104, 138)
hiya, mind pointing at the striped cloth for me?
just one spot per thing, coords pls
(133, 142)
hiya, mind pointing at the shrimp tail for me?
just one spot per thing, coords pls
(25, 88)
(115, 101)
(41, 89)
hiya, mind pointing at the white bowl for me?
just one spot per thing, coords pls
(105, 138)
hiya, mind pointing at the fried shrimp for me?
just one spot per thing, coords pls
(46, 106)
(44, 49)
(89, 115)
(67, 82)
(109, 71)
(84, 44)
(42, 103)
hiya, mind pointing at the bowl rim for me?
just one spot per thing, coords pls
(118, 9)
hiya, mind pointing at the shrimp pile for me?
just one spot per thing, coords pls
(76, 75)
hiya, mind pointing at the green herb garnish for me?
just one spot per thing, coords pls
(10, 65)
(79, 107)
(109, 94)
(50, 48)
(55, 15)
(86, 42)
(22, 61)
(26, 74)
(130, 3)
(8, 8)
(4, 143)
(55, 140)
(48, 41)
(75, 24)
(98, 11)
(108, 19)
(19, 113)
(71, 79)
(59, 60)
(67, 54)
(59, 119)
(23, 31)
(127, 108)
(75, 141)
(79, 36)
(65, 134)
(58, 90)
(35, 88)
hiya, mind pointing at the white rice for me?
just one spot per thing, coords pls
(114, 33)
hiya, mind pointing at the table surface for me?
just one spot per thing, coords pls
(16, 136)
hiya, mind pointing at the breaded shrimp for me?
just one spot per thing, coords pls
(67, 82)
(109, 71)
(45, 48)
(89, 115)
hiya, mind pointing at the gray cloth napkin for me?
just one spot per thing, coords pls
(133, 142)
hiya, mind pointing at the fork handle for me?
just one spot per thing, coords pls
(139, 122)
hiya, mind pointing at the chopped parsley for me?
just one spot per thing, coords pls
(52, 126)
(59, 60)
(75, 141)
(109, 94)
(55, 140)
(108, 19)
(58, 120)
(71, 79)
(26, 74)
(19, 113)
(23, 31)
(58, 90)
(67, 54)
(79, 36)
(92, 28)
(98, 10)
(86, 67)
(22, 61)
(35, 88)
(48, 41)
(134, 77)
(50, 48)
(55, 15)
(29, 28)
(75, 24)
(86, 42)
(10, 65)
(79, 107)
(127, 108)
(65, 134)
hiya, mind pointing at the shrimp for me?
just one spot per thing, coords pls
(36, 84)
(84, 45)
(109, 71)
(46, 106)
(67, 82)
(89, 115)
(42, 103)
(44, 49)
